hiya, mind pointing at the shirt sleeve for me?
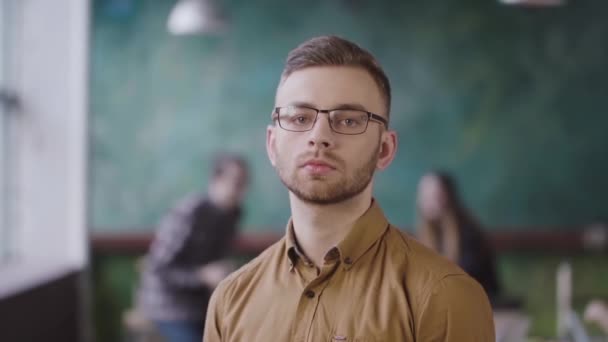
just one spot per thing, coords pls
(456, 309)
(213, 331)
(173, 232)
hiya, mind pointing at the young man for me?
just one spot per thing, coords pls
(185, 261)
(342, 272)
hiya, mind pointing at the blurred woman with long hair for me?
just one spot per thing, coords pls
(445, 225)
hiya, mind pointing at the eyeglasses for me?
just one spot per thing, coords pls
(342, 121)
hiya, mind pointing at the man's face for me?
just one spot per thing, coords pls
(321, 166)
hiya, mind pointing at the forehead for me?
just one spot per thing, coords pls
(329, 86)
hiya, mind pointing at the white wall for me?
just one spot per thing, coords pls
(51, 138)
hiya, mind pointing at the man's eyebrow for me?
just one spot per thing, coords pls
(350, 106)
(356, 106)
(301, 104)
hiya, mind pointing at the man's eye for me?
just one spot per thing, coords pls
(350, 122)
(301, 119)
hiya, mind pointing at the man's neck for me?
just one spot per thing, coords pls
(318, 228)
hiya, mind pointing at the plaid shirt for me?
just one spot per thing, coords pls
(192, 234)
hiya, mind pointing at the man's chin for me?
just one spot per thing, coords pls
(317, 199)
(325, 196)
(319, 190)
(312, 193)
(319, 187)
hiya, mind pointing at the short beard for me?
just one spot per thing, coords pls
(341, 191)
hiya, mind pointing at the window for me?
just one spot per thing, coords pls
(43, 141)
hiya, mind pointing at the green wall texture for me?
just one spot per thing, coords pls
(513, 101)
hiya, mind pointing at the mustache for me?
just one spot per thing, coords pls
(328, 156)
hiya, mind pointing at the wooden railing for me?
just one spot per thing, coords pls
(558, 239)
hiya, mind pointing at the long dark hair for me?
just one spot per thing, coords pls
(454, 202)
(445, 233)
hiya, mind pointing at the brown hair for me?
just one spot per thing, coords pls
(223, 159)
(336, 51)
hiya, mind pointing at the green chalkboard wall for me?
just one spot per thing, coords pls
(513, 101)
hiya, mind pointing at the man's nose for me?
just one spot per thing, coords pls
(321, 134)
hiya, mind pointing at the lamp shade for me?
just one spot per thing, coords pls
(191, 17)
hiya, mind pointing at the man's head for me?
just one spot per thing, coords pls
(229, 180)
(330, 129)
(335, 51)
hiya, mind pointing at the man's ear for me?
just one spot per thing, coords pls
(270, 143)
(388, 149)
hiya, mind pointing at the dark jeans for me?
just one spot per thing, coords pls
(181, 331)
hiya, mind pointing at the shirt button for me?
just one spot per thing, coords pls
(348, 261)
(310, 294)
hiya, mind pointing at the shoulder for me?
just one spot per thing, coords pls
(178, 218)
(458, 289)
(245, 277)
(421, 260)
(427, 272)
(456, 307)
(189, 202)
(446, 300)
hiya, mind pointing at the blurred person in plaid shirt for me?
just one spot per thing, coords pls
(187, 257)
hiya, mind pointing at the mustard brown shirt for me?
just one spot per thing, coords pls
(377, 285)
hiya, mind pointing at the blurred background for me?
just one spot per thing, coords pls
(112, 110)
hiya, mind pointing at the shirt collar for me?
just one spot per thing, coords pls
(365, 232)
(294, 253)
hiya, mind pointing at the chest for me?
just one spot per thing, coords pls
(208, 239)
(343, 307)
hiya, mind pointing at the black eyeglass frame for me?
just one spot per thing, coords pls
(370, 117)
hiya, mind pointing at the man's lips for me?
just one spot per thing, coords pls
(318, 166)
